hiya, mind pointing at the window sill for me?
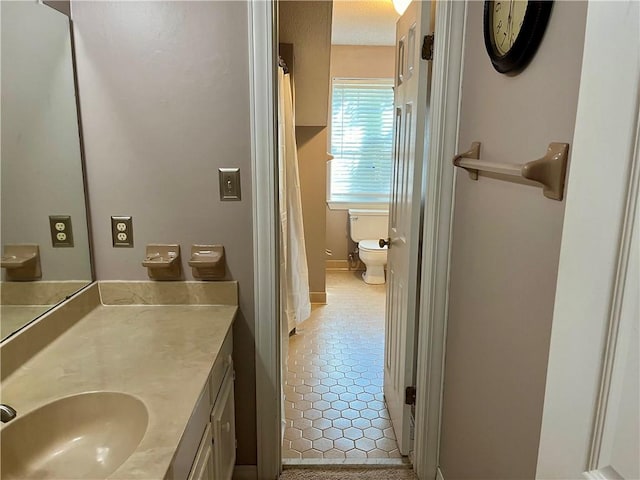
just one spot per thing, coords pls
(344, 205)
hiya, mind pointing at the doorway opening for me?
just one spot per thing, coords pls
(340, 60)
(442, 117)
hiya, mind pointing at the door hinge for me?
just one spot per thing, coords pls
(410, 396)
(427, 47)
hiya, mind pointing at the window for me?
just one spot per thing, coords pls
(361, 142)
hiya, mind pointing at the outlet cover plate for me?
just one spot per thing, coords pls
(122, 232)
(61, 231)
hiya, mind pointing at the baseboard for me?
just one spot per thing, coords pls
(341, 265)
(318, 297)
(337, 264)
(439, 475)
(605, 473)
(245, 472)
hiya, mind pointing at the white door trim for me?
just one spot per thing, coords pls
(620, 289)
(445, 105)
(600, 191)
(263, 92)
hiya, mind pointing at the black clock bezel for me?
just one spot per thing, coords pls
(526, 44)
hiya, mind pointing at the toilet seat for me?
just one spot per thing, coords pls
(371, 246)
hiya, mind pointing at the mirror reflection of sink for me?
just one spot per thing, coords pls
(83, 436)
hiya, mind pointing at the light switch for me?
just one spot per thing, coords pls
(229, 183)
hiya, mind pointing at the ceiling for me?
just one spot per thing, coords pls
(363, 22)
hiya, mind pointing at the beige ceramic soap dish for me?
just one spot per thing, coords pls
(207, 262)
(163, 262)
(22, 262)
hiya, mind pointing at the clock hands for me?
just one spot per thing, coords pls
(509, 21)
(508, 34)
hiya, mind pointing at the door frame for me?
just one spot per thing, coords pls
(264, 180)
(443, 118)
(599, 216)
(446, 85)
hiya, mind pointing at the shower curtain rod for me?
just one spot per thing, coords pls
(283, 64)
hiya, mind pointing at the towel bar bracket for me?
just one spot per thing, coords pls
(474, 154)
(549, 171)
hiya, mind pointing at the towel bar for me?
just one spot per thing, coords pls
(549, 171)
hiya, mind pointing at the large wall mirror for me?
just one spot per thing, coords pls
(41, 166)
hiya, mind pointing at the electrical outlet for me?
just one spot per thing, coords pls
(122, 231)
(61, 231)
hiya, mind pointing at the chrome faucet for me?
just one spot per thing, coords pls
(7, 413)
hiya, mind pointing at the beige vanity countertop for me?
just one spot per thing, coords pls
(161, 354)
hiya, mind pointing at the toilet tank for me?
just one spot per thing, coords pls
(368, 224)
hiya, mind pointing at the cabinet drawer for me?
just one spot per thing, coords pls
(223, 362)
(224, 430)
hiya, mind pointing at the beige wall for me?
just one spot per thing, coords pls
(307, 26)
(164, 90)
(360, 61)
(312, 161)
(504, 258)
(41, 166)
(353, 61)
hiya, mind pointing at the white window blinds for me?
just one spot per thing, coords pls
(361, 140)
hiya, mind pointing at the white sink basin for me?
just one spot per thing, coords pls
(85, 436)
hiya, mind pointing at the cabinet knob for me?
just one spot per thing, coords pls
(227, 427)
(382, 242)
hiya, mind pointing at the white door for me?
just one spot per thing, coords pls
(411, 89)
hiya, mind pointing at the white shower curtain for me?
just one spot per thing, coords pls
(295, 306)
(293, 265)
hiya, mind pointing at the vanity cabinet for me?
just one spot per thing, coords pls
(203, 465)
(207, 450)
(224, 431)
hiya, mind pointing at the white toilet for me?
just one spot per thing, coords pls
(367, 228)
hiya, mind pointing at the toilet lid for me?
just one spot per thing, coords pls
(372, 245)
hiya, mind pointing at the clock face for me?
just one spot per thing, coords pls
(508, 17)
(513, 30)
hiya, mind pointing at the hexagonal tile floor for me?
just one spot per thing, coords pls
(334, 406)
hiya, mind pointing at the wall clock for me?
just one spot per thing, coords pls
(513, 30)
